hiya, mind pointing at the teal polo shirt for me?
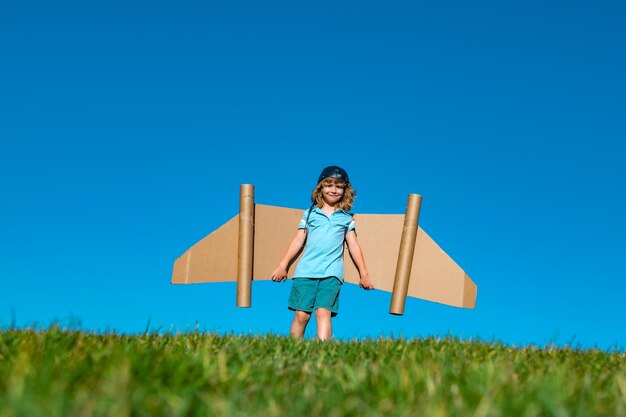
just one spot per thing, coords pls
(323, 253)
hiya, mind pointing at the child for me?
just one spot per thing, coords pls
(319, 274)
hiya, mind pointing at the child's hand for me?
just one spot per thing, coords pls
(279, 274)
(366, 282)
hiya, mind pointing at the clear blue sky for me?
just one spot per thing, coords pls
(127, 127)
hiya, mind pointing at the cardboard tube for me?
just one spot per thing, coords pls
(405, 254)
(245, 254)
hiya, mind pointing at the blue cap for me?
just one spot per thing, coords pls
(334, 172)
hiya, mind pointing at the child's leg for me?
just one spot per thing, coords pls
(324, 326)
(327, 302)
(300, 320)
(302, 301)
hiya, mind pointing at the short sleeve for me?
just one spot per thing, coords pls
(302, 224)
(351, 226)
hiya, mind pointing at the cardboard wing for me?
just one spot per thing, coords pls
(434, 276)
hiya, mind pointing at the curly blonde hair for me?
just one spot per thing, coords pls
(348, 194)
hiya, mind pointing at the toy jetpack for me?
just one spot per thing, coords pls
(401, 258)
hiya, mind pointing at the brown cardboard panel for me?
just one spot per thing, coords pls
(469, 293)
(213, 259)
(434, 275)
(379, 237)
(275, 228)
(179, 274)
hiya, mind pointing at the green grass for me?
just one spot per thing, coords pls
(56, 372)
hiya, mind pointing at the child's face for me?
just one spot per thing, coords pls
(332, 193)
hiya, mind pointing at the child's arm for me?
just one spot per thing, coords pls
(280, 273)
(357, 255)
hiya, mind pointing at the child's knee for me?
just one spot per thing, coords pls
(322, 314)
(303, 317)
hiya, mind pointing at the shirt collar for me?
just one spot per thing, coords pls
(319, 210)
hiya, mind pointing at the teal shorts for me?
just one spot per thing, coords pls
(307, 294)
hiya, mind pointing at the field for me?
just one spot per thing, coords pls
(56, 372)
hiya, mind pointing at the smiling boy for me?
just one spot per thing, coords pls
(320, 272)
